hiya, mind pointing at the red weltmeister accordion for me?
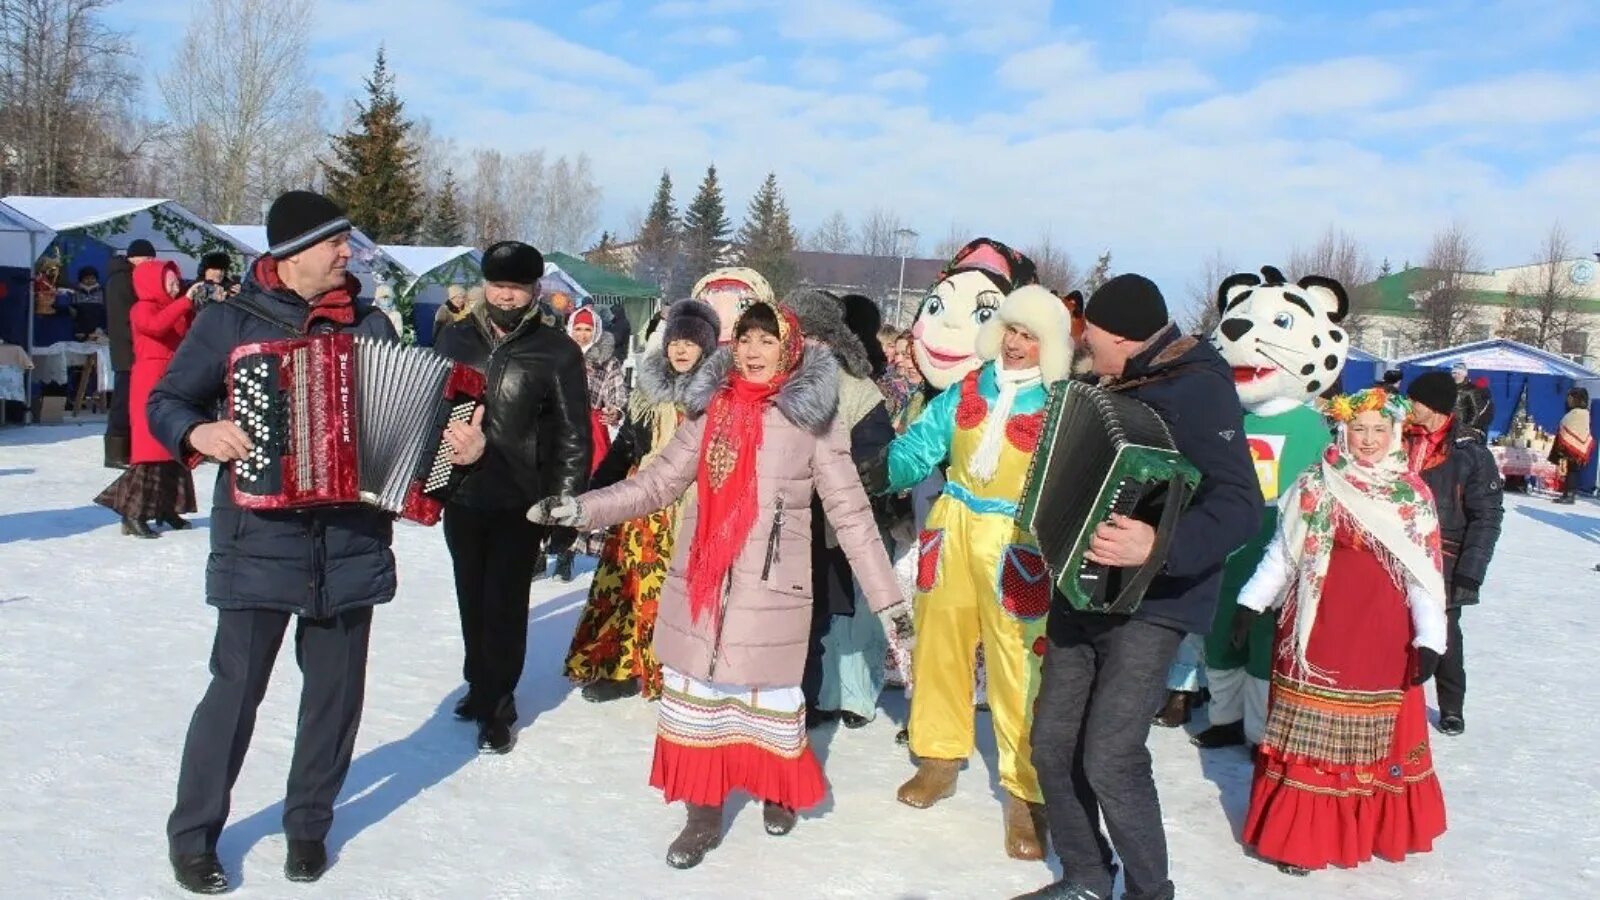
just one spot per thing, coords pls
(340, 418)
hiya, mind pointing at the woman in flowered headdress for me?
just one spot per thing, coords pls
(1344, 772)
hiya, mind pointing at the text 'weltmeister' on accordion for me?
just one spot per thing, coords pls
(1102, 453)
(340, 418)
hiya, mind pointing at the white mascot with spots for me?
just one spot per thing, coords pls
(1285, 344)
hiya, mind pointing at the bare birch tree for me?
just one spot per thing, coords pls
(834, 235)
(1054, 265)
(954, 239)
(237, 96)
(1203, 314)
(1445, 311)
(1548, 304)
(1338, 255)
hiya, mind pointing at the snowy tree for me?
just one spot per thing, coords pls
(767, 240)
(705, 229)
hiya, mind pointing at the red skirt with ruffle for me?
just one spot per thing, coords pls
(705, 776)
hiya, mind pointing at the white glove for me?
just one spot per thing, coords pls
(563, 511)
(898, 629)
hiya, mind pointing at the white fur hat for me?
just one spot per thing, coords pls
(1033, 307)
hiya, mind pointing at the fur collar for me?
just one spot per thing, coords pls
(602, 351)
(821, 317)
(809, 399)
(657, 383)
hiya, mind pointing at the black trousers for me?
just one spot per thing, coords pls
(1103, 679)
(494, 553)
(117, 417)
(1450, 679)
(811, 675)
(332, 655)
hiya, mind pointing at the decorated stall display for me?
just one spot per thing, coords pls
(1285, 345)
(730, 291)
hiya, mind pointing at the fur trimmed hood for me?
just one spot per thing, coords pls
(809, 399)
(655, 381)
(821, 316)
(1041, 312)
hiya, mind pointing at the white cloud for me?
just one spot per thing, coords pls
(926, 48)
(1209, 29)
(1335, 87)
(601, 13)
(1401, 17)
(690, 9)
(1047, 66)
(1523, 99)
(1073, 86)
(818, 69)
(705, 36)
(899, 80)
(837, 20)
(994, 27)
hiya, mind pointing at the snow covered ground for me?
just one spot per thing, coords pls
(103, 646)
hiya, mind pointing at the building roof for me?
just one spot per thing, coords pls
(1500, 355)
(859, 271)
(1394, 294)
(117, 221)
(22, 239)
(598, 282)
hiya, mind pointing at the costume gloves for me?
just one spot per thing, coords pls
(564, 511)
(1243, 618)
(1427, 664)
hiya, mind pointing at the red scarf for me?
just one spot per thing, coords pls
(726, 486)
(337, 306)
(1425, 448)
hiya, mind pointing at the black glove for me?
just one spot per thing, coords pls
(875, 473)
(1427, 664)
(1243, 618)
(1464, 592)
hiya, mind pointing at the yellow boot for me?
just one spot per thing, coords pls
(935, 780)
(1026, 830)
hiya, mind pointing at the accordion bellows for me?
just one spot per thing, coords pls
(1102, 453)
(347, 419)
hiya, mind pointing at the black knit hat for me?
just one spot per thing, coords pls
(215, 261)
(141, 247)
(692, 320)
(513, 262)
(1129, 306)
(1435, 390)
(299, 219)
(863, 317)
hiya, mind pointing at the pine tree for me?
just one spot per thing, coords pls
(658, 238)
(1100, 274)
(1385, 270)
(374, 172)
(705, 229)
(605, 255)
(767, 239)
(446, 226)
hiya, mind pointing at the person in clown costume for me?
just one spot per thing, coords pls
(981, 580)
(1285, 345)
(730, 291)
(943, 351)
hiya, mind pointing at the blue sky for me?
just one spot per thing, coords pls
(1163, 131)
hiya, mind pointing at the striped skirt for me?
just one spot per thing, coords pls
(713, 739)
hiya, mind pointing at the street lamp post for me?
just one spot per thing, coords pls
(905, 249)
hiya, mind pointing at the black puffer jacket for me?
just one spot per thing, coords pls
(536, 419)
(314, 563)
(1191, 388)
(119, 304)
(1469, 495)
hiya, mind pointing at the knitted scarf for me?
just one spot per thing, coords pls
(337, 306)
(1385, 500)
(1426, 449)
(985, 460)
(726, 487)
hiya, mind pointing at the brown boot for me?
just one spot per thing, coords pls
(701, 834)
(935, 780)
(1176, 713)
(1026, 832)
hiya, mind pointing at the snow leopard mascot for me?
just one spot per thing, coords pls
(1285, 344)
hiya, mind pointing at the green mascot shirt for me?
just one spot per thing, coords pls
(1282, 446)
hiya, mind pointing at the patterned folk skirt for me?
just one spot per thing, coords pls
(617, 627)
(150, 491)
(713, 739)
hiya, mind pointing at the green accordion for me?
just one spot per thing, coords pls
(1102, 453)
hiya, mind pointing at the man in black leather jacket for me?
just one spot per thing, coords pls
(539, 445)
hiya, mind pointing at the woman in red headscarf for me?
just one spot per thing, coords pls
(734, 619)
(154, 486)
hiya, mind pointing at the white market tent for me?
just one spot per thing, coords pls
(432, 271)
(368, 261)
(22, 238)
(175, 232)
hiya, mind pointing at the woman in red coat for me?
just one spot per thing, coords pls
(154, 486)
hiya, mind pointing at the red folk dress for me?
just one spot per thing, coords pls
(1344, 772)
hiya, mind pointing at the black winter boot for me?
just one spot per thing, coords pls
(137, 528)
(1452, 724)
(117, 449)
(541, 566)
(564, 565)
(1219, 736)
(700, 835)
(307, 860)
(779, 820)
(466, 708)
(1063, 890)
(200, 873)
(606, 690)
(175, 522)
(1176, 713)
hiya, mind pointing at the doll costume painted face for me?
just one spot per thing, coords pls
(730, 291)
(944, 337)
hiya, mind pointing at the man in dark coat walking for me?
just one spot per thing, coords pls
(1104, 676)
(1468, 493)
(119, 304)
(540, 445)
(323, 568)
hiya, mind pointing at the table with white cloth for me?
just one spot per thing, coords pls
(14, 362)
(51, 362)
(1528, 463)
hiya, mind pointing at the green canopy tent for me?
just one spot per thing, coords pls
(604, 287)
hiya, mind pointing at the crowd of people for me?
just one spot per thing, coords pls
(793, 508)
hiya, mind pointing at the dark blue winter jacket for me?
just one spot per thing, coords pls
(314, 563)
(1191, 388)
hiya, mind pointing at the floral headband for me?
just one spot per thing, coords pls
(1345, 407)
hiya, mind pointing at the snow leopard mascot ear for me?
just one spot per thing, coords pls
(1285, 344)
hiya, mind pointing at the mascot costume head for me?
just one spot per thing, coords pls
(944, 337)
(730, 292)
(1282, 339)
